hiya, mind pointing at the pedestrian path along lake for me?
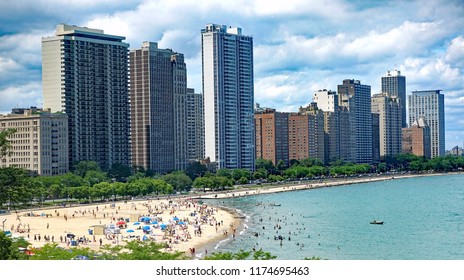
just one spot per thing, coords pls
(423, 220)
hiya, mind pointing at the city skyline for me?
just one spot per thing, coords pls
(312, 45)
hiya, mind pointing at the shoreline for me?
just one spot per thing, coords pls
(326, 183)
(213, 235)
(310, 184)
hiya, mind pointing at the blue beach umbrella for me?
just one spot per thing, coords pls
(136, 223)
(154, 223)
(180, 223)
(163, 226)
(176, 219)
(146, 228)
(130, 230)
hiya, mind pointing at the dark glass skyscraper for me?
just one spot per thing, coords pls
(395, 84)
(355, 98)
(158, 79)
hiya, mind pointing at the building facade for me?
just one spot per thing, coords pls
(40, 143)
(327, 101)
(228, 92)
(84, 74)
(355, 98)
(195, 126)
(430, 105)
(272, 135)
(158, 95)
(390, 117)
(395, 84)
(316, 131)
(416, 139)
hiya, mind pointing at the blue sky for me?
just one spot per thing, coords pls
(300, 46)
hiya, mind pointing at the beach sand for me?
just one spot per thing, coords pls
(184, 219)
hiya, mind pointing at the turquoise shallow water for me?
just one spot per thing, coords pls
(423, 220)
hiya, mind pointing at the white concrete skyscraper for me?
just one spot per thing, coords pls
(227, 68)
(84, 74)
(430, 105)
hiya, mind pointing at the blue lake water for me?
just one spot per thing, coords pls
(423, 220)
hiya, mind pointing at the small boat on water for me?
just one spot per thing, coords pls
(375, 222)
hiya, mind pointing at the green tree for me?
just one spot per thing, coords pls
(224, 172)
(10, 249)
(5, 144)
(147, 250)
(178, 180)
(241, 255)
(15, 186)
(95, 177)
(260, 174)
(51, 251)
(202, 183)
(195, 170)
(266, 164)
(119, 172)
(81, 168)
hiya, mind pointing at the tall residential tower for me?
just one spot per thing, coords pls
(395, 84)
(430, 105)
(84, 74)
(355, 98)
(158, 91)
(227, 68)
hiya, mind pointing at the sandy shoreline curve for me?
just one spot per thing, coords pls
(182, 223)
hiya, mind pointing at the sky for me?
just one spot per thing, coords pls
(300, 46)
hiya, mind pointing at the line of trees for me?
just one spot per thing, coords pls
(87, 182)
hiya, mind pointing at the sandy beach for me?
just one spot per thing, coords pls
(181, 223)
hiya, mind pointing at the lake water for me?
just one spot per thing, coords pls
(423, 220)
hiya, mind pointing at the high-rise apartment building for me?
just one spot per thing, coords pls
(195, 126)
(316, 131)
(40, 143)
(158, 94)
(375, 137)
(355, 98)
(84, 74)
(395, 84)
(327, 101)
(430, 105)
(416, 139)
(390, 115)
(271, 135)
(227, 68)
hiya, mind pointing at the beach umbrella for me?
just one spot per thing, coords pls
(181, 223)
(121, 223)
(176, 219)
(146, 228)
(130, 230)
(154, 223)
(136, 223)
(163, 226)
(145, 238)
(70, 235)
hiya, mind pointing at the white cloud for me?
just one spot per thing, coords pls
(455, 52)
(25, 95)
(8, 65)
